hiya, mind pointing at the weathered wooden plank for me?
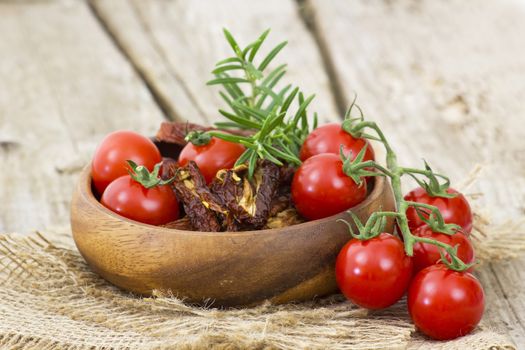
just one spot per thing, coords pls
(441, 85)
(177, 43)
(64, 86)
(122, 20)
(445, 87)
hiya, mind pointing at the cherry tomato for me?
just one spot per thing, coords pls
(155, 206)
(321, 189)
(109, 161)
(210, 158)
(375, 273)
(426, 254)
(454, 210)
(445, 304)
(328, 138)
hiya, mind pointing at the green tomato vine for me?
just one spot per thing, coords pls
(357, 169)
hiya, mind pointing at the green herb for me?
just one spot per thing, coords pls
(255, 104)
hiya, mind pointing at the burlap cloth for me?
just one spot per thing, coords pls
(49, 299)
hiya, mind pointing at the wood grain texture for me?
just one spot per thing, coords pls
(64, 86)
(176, 44)
(450, 93)
(446, 81)
(219, 268)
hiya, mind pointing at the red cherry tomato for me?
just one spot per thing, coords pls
(426, 254)
(216, 155)
(375, 273)
(155, 206)
(328, 138)
(321, 189)
(109, 161)
(454, 210)
(445, 304)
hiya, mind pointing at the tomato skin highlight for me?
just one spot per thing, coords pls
(328, 138)
(155, 206)
(454, 210)
(375, 273)
(426, 254)
(445, 304)
(320, 188)
(216, 155)
(109, 161)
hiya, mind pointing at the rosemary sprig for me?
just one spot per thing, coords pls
(255, 104)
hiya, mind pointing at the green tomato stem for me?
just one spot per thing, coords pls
(372, 164)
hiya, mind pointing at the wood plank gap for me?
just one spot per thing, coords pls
(167, 112)
(308, 16)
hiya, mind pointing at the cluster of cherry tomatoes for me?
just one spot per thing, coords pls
(376, 273)
(128, 197)
(443, 303)
(122, 194)
(320, 188)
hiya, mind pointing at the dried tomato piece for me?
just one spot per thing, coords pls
(287, 217)
(168, 168)
(248, 201)
(175, 132)
(280, 203)
(203, 208)
(286, 174)
(180, 224)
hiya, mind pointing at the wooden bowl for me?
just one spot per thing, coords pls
(294, 263)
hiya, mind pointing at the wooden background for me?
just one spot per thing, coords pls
(445, 80)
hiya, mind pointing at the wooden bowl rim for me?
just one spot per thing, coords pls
(86, 192)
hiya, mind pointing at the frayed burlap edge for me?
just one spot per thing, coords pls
(49, 299)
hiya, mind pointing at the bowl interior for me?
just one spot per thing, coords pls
(375, 188)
